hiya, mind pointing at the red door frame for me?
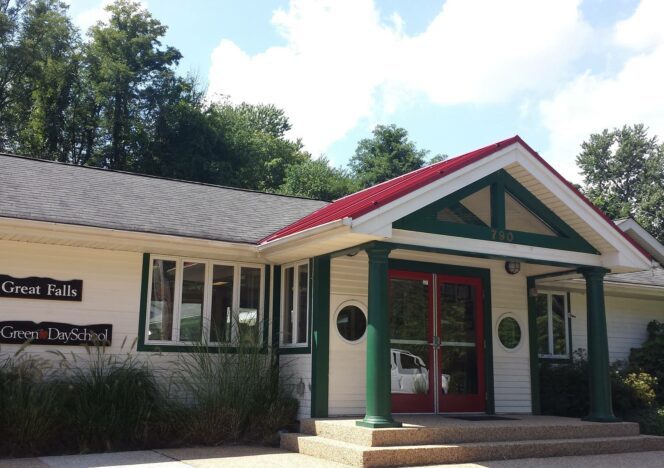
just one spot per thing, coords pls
(413, 403)
(465, 403)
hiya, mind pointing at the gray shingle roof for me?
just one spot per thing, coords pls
(47, 191)
(654, 277)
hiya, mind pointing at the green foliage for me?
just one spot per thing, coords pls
(564, 388)
(650, 357)
(31, 407)
(315, 178)
(387, 155)
(115, 101)
(651, 421)
(623, 173)
(231, 397)
(112, 403)
(100, 401)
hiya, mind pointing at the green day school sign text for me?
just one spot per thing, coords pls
(55, 333)
(41, 288)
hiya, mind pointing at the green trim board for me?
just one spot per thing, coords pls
(276, 306)
(501, 183)
(485, 275)
(320, 336)
(142, 315)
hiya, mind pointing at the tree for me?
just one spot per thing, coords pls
(387, 155)
(315, 178)
(39, 65)
(623, 171)
(128, 71)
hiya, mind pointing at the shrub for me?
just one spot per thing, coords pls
(231, 395)
(651, 421)
(564, 388)
(113, 401)
(31, 407)
(650, 357)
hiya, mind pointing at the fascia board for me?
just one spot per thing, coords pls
(501, 249)
(626, 254)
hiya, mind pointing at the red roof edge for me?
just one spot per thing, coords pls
(369, 199)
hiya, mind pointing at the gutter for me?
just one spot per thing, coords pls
(320, 229)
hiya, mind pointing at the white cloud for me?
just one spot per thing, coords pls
(342, 63)
(592, 102)
(644, 28)
(87, 18)
(91, 16)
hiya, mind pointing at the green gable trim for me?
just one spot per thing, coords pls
(485, 275)
(320, 337)
(425, 219)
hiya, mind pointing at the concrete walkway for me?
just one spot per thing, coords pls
(265, 457)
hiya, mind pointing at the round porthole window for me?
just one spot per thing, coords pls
(351, 322)
(509, 332)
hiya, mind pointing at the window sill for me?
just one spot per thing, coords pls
(303, 348)
(182, 347)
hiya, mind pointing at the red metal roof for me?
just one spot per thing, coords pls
(364, 201)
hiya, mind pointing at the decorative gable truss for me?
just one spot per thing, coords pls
(496, 208)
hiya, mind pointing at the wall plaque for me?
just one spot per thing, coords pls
(55, 333)
(36, 287)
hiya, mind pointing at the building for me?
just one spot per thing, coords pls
(438, 291)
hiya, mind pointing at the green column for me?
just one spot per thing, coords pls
(378, 388)
(320, 343)
(601, 408)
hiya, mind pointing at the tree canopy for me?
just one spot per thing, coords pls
(623, 174)
(111, 97)
(387, 155)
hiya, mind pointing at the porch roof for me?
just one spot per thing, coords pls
(360, 203)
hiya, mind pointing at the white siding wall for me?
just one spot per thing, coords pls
(111, 294)
(626, 321)
(349, 281)
(296, 368)
(347, 361)
(111, 289)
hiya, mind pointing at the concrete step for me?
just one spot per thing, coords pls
(405, 455)
(458, 432)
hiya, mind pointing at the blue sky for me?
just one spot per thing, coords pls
(457, 74)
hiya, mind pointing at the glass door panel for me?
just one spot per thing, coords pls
(461, 355)
(412, 357)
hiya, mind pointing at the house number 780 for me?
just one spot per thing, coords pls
(501, 235)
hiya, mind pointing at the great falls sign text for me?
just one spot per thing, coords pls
(41, 288)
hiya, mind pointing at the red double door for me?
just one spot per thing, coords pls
(437, 343)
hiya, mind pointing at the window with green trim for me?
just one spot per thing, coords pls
(553, 325)
(203, 301)
(295, 304)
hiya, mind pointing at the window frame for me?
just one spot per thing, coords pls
(549, 309)
(296, 305)
(206, 313)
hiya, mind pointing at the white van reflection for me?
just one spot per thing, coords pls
(410, 375)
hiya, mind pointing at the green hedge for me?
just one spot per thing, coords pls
(637, 385)
(104, 402)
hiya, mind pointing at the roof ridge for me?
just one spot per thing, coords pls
(151, 176)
